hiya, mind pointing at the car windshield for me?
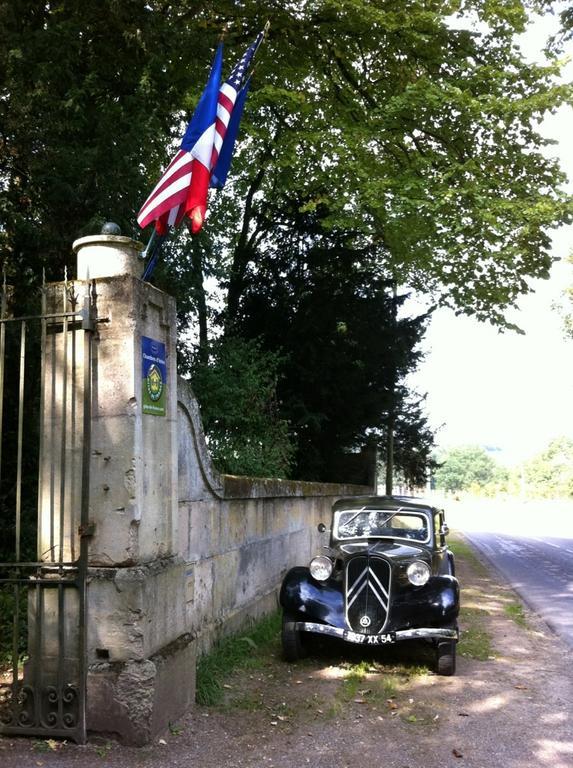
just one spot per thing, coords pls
(369, 523)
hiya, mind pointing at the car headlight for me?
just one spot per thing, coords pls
(418, 573)
(320, 568)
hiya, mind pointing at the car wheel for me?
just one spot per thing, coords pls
(294, 647)
(446, 657)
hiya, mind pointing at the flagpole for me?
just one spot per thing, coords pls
(152, 252)
(263, 36)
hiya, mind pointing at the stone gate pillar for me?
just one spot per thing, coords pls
(141, 661)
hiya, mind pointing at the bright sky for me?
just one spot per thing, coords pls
(506, 391)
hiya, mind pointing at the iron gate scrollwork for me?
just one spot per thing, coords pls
(45, 417)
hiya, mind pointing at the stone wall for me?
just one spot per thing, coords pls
(240, 535)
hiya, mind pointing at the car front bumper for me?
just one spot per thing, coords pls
(384, 638)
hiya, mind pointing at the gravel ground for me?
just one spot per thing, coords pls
(513, 707)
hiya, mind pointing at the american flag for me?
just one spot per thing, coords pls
(183, 187)
(226, 104)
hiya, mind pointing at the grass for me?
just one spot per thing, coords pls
(464, 551)
(249, 702)
(175, 729)
(353, 681)
(381, 689)
(40, 746)
(249, 649)
(103, 750)
(515, 611)
(368, 683)
(475, 642)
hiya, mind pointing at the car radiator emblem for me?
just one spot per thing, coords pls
(367, 593)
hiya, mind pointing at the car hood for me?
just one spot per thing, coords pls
(391, 549)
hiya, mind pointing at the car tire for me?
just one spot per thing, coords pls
(446, 657)
(293, 644)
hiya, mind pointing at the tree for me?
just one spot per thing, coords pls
(463, 467)
(330, 310)
(88, 93)
(565, 13)
(418, 135)
(237, 392)
(550, 473)
(407, 139)
(565, 309)
(417, 132)
(414, 442)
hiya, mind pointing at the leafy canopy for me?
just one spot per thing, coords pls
(417, 130)
(414, 123)
(464, 467)
(408, 129)
(550, 473)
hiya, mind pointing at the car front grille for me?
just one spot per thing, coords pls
(367, 591)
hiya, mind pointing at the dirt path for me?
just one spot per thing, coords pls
(510, 705)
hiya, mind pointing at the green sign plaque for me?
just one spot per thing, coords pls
(154, 371)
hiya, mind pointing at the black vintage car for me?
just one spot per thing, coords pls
(387, 576)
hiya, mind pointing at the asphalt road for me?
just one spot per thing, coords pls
(532, 546)
(539, 569)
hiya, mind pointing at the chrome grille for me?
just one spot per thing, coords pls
(367, 591)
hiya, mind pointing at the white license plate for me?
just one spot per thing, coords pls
(383, 639)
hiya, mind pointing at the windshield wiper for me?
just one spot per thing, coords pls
(391, 517)
(352, 518)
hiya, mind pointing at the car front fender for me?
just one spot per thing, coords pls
(311, 600)
(437, 603)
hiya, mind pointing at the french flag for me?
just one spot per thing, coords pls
(166, 204)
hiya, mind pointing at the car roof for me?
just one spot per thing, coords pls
(384, 502)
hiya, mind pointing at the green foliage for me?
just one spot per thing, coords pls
(398, 127)
(515, 611)
(418, 135)
(247, 649)
(465, 551)
(550, 473)
(475, 642)
(237, 393)
(86, 94)
(8, 603)
(414, 442)
(565, 308)
(328, 306)
(464, 468)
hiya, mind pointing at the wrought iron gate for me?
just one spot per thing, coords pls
(45, 415)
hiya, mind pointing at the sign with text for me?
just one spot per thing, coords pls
(154, 371)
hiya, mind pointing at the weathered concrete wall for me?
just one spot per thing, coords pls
(240, 535)
(133, 482)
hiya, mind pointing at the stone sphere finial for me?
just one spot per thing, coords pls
(111, 228)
